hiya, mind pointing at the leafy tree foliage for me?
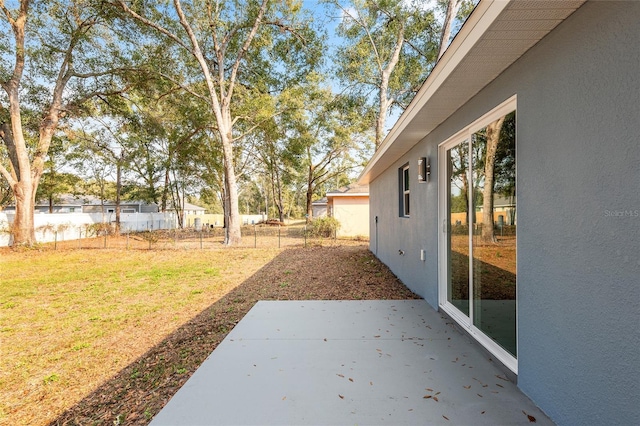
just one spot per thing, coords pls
(242, 50)
(390, 47)
(54, 56)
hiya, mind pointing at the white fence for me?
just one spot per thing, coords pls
(72, 226)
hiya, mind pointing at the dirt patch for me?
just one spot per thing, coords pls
(141, 389)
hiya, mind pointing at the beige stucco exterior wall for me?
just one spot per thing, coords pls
(353, 215)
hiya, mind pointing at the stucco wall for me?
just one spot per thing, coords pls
(578, 178)
(353, 215)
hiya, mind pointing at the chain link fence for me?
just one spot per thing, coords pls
(207, 238)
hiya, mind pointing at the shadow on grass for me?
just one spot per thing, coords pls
(140, 390)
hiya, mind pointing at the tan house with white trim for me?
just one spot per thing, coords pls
(350, 206)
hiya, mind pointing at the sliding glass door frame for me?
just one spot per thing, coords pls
(466, 322)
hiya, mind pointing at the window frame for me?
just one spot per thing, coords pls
(405, 190)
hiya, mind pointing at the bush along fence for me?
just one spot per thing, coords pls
(156, 233)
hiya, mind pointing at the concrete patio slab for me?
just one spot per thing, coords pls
(347, 363)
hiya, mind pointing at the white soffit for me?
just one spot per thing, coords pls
(495, 35)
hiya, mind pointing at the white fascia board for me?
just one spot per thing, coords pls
(483, 16)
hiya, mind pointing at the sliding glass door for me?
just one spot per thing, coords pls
(478, 243)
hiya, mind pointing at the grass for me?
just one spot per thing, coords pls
(70, 320)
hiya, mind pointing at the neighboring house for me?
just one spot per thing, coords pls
(319, 207)
(125, 207)
(63, 204)
(188, 209)
(194, 215)
(70, 204)
(192, 209)
(565, 318)
(350, 206)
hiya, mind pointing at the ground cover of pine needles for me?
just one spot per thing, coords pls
(108, 336)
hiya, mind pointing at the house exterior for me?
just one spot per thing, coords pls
(319, 208)
(538, 104)
(125, 207)
(64, 204)
(193, 210)
(89, 204)
(350, 206)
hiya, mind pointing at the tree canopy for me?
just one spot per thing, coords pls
(226, 101)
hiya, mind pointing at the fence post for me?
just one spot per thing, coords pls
(305, 236)
(255, 237)
(200, 239)
(105, 238)
(79, 238)
(55, 241)
(128, 240)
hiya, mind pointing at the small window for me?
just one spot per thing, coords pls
(405, 199)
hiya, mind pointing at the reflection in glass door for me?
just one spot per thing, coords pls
(494, 233)
(480, 226)
(458, 228)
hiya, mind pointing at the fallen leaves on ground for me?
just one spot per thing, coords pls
(139, 391)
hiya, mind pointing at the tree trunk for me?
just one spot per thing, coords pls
(23, 229)
(225, 208)
(118, 190)
(385, 75)
(277, 194)
(309, 205)
(382, 116)
(465, 191)
(167, 182)
(493, 137)
(452, 11)
(234, 235)
(310, 194)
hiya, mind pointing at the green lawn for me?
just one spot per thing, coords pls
(69, 320)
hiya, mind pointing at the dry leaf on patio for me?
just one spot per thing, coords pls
(530, 417)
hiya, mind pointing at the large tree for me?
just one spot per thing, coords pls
(232, 43)
(390, 47)
(53, 56)
(328, 133)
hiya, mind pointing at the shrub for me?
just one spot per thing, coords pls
(324, 227)
(99, 229)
